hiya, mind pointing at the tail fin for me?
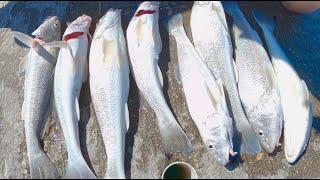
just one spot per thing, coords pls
(231, 7)
(173, 137)
(78, 169)
(175, 23)
(263, 21)
(41, 167)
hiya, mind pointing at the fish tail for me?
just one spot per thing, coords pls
(175, 23)
(41, 167)
(173, 137)
(78, 169)
(119, 175)
(264, 21)
(231, 7)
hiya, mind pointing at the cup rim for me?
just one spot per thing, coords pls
(192, 170)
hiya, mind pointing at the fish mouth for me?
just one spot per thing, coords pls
(202, 3)
(85, 18)
(111, 18)
(291, 156)
(223, 155)
(269, 149)
(147, 7)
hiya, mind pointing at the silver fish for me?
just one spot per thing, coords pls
(71, 71)
(257, 84)
(38, 67)
(211, 38)
(204, 94)
(144, 46)
(109, 85)
(296, 103)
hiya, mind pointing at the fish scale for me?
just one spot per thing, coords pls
(37, 88)
(211, 38)
(38, 93)
(71, 71)
(258, 87)
(109, 86)
(200, 88)
(144, 47)
(294, 93)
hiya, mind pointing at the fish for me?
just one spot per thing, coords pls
(212, 40)
(71, 71)
(204, 96)
(295, 99)
(257, 85)
(109, 86)
(37, 68)
(144, 47)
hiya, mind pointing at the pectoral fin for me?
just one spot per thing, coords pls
(235, 70)
(271, 74)
(48, 112)
(22, 65)
(305, 93)
(60, 44)
(77, 108)
(138, 31)
(25, 39)
(160, 76)
(63, 44)
(46, 118)
(31, 43)
(23, 111)
(127, 116)
(211, 95)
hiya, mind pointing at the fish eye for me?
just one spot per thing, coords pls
(210, 146)
(261, 133)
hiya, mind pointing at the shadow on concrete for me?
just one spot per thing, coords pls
(85, 114)
(297, 34)
(133, 106)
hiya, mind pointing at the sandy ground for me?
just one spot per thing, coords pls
(144, 152)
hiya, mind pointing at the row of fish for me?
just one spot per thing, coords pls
(256, 88)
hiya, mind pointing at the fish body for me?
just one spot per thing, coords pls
(296, 103)
(204, 95)
(109, 86)
(258, 87)
(211, 38)
(144, 46)
(71, 71)
(38, 87)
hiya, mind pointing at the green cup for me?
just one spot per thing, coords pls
(179, 170)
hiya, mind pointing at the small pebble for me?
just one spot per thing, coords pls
(260, 156)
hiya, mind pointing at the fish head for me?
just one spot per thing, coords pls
(208, 5)
(147, 7)
(266, 120)
(297, 131)
(147, 11)
(143, 28)
(49, 30)
(218, 139)
(81, 24)
(108, 23)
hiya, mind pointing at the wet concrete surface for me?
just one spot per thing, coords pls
(145, 156)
